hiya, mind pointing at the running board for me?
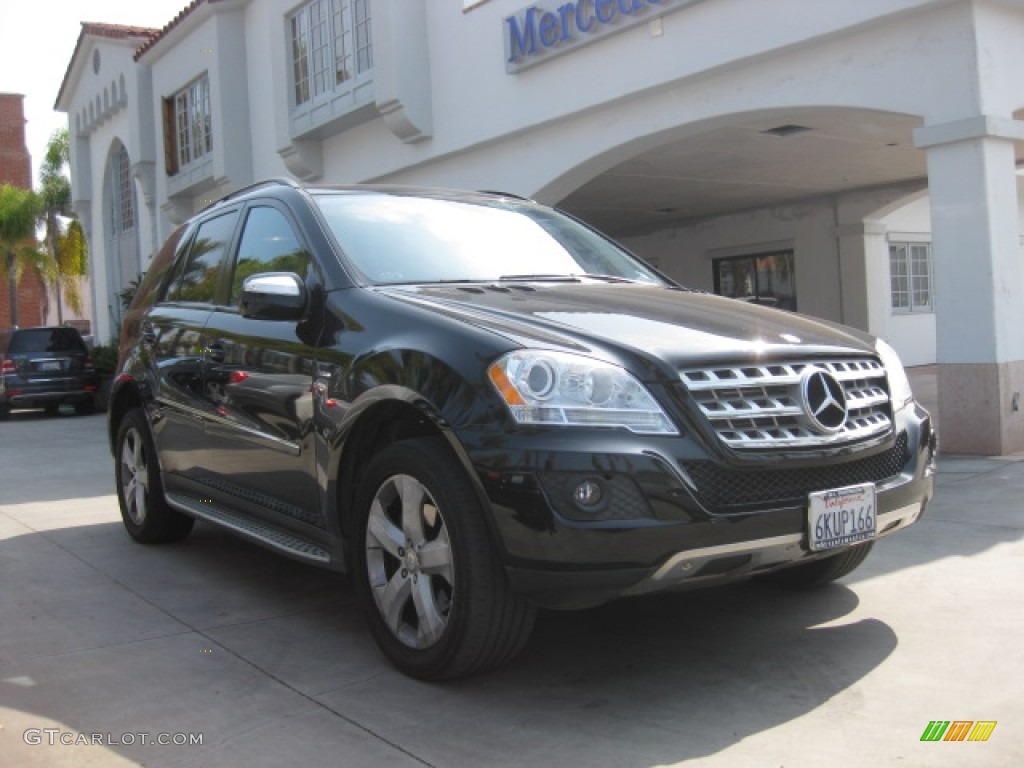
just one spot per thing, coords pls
(255, 530)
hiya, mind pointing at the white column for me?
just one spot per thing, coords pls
(862, 274)
(979, 283)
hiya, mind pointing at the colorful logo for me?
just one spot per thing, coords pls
(958, 730)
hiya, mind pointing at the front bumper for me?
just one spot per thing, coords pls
(660, 526)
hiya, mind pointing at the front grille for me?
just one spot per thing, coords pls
(762, 406)
(723, 490)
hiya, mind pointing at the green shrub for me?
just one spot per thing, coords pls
(104, 357)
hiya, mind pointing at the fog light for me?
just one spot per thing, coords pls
(588, 494)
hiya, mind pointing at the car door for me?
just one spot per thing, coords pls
(257, 384)
(172, 337)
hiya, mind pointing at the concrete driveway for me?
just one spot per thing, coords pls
(107, 646)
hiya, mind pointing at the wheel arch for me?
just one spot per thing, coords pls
(124, 397)
(398, 414)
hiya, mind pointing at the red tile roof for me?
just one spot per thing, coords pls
(181, 16)
(118, 31)
(111, 31)
(147, 36)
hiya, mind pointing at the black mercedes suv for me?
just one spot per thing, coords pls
(477, 405)
(44, 368)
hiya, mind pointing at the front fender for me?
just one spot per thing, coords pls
(403, 395)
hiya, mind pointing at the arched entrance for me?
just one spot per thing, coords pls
(774, 206)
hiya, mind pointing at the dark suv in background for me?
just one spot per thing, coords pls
(45, 367)
(477, 406)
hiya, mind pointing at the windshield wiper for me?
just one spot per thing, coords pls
(539, 278)
(455, 281)
(608, 278)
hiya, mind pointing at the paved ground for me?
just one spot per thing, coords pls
(270, 663)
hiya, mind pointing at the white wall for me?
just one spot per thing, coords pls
(101, 110)
(547, 130)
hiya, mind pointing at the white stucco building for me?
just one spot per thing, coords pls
(856, 161)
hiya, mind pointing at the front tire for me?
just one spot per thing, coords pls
(436, 598)
(140, 491)
(818, 573)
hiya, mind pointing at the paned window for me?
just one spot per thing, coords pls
(910, 277)
(190, 137)
(331, 46)
(123, 209)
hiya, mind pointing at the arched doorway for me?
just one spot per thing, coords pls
(774, 206)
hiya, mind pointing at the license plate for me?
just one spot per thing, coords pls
(841, 516)
(49, 365)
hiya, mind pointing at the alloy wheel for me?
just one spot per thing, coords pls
(409, 562)
(134, 476)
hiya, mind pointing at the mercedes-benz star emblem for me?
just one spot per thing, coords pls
(824, 400)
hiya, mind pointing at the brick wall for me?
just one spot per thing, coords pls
(16, 168)
(15, 164)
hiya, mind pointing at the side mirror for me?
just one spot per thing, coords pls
(274, 296)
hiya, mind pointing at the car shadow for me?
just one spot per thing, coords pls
(653, 680)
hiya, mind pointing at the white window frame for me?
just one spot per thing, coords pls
(911, 277)
(193, 122)
(330, 49)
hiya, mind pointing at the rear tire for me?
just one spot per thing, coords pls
(85, 407)
(818, 573)
(435, 596)
(52, 410)
(140, 491)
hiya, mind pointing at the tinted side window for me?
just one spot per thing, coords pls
(156, 275)
(198, 281)
(268, 244)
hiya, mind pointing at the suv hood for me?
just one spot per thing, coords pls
(679, 327)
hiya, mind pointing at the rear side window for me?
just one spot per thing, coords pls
(47, 340)
(198, 280)
(268, 244)
(157, 272)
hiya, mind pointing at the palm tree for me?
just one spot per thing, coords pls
(19, 210)
(70, 263)
(68, 259)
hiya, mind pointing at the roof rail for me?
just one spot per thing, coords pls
(280, 181)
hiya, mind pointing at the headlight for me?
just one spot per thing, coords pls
(899, 384)
(557, 388)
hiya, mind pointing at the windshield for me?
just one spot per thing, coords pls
(395, 239)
